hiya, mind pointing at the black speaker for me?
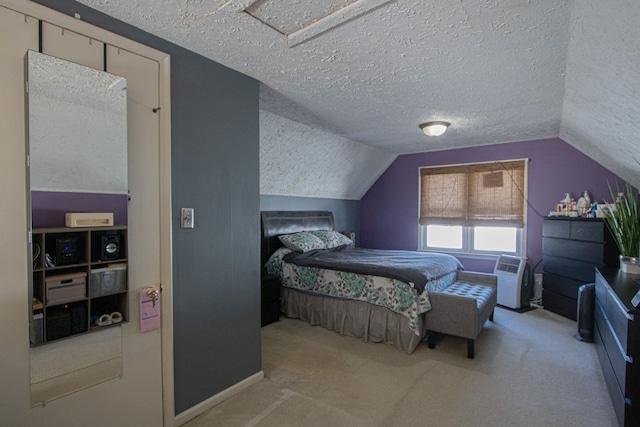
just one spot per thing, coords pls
(110, 247)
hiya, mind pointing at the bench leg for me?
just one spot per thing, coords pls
(491, 315)
(431, 339)
(470, 351)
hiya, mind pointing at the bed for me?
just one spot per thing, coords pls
(381, 304)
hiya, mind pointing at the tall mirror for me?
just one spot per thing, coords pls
(77, 147)
(77, 135)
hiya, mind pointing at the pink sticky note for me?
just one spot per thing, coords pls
(149, 310)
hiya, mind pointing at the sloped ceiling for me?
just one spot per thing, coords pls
(373, 70)
(601, 111)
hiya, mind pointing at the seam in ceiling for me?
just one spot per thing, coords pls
(303, 23)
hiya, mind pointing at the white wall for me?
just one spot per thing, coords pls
(299, 160)
(602, 85)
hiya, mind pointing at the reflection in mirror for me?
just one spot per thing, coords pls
(77, 145)
(77, 140)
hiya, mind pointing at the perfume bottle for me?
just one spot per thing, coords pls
(582, 205)
(566, 204)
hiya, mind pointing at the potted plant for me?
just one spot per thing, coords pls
(623, 221)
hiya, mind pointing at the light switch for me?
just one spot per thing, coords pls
(186, 218)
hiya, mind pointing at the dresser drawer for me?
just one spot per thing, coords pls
(617, 398)
(592, 252)
(270, 289)
(592, 231)
(270, 313)
(577, 229)
(560, 304)
(561, 285)
(556, 228)
(599, 319)
(618, 319)
(574, 269)
(618, 358)
(601, 292)
(598, 342)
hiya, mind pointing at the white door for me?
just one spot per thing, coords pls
(137, 397)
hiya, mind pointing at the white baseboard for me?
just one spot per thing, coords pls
(214, 400)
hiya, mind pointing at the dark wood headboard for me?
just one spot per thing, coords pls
(275, 223)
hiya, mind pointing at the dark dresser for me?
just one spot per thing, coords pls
(270, 299)
(572, 248)
(617, 340)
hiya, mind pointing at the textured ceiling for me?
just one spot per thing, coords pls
(495, 69)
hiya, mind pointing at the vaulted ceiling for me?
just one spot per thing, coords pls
(370, 71)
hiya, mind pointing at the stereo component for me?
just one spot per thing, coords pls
(66, 250)
(107, 247)
(110, 247)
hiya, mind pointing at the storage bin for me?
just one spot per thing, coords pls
(109, 280)
(66, 288)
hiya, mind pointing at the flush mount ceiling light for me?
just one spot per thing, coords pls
(434, 128)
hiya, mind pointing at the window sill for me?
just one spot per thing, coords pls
(468, 255)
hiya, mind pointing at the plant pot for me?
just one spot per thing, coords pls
(629, 265)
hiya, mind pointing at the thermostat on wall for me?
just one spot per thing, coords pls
(89, 219)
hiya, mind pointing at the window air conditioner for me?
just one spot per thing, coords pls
(514, 287)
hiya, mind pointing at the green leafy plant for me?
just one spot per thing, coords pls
(624, 221)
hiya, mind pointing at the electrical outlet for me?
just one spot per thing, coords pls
(537, 279)
(186, 218)
(537, 286)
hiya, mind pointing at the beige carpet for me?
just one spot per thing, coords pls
(528, 371)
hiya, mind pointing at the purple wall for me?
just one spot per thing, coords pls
(48, 208)
(389, 210)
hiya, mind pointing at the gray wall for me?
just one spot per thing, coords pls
(215, 170)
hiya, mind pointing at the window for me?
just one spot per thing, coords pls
(474, 208)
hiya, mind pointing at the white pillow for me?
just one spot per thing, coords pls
(302, 241)
(332, 239)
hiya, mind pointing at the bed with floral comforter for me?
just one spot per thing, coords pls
(375, 307)
(401, 297)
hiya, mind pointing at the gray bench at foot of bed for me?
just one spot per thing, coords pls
(463, 308)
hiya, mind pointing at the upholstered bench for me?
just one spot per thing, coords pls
(462, 308)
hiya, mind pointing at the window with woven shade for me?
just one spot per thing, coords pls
(489, 194)
(472, 198)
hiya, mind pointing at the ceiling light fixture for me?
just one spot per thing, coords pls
(434, 128)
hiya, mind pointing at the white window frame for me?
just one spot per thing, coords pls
(467, 244)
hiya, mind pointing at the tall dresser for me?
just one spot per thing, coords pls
(617, 340)
(572, 248)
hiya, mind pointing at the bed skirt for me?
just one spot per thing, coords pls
(354, 318)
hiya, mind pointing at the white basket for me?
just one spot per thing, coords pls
(109, 280)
